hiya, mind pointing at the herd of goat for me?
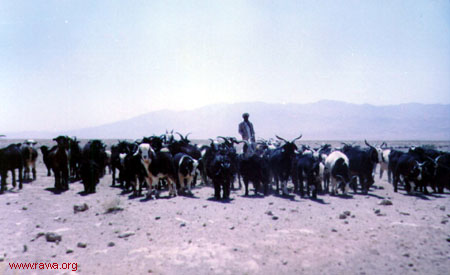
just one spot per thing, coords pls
(157, 162)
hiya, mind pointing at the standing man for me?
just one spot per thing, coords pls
(246, 129)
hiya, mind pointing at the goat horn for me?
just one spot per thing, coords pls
(299, 137)
(225, 139)
(281, 139)
(232, 140)
(365, 141)
(181, 136)
(433, 160)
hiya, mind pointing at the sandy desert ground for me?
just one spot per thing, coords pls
(248, 235)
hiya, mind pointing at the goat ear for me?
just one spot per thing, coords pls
(153, 153)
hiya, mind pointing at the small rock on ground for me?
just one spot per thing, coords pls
(385, 202)
(126, 234)
(52, 237)
(80, 208)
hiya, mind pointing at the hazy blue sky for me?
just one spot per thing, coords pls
(69, 64)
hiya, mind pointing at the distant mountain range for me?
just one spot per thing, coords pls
(323, 120)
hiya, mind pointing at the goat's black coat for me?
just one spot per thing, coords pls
(442, 178)
(11, 159)
(280, 161)
(59, 162)
(255, 169)
(45, 157)
(122, 147)
(184, 166)
(361, 163)
(162, 163)
(306, 167)
(75, 158)
(219, 169)
(427, 160)
(407, 167)
(92, 164)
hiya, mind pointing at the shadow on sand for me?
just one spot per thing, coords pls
(252, 195)
(83, 193)
(54, 190)
(289, 196)
(318, 200)
(221, 200)
(343, 196)
(373, 195)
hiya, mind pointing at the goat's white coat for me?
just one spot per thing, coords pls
(190, 177)
(330, 162)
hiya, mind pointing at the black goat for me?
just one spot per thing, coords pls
(442, 178)
(306, 167)
(74, 158)
(45, 157)
(118, 154)
(92, 164)
(408, 168)
(186, 168)
(59, 162)
(280, 161)
(254, 168)
(10, 160)
(361, 163)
